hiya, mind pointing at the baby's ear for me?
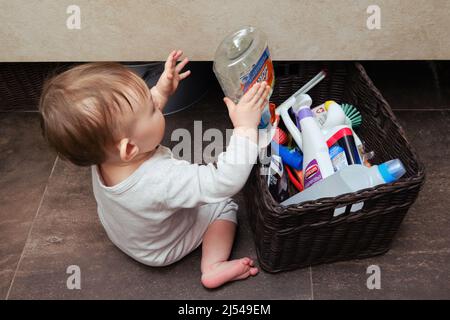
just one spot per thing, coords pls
(127, 149)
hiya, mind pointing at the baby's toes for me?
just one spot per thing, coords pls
(246, 261)
(254, 271)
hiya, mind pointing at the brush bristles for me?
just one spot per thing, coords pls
(352, 114)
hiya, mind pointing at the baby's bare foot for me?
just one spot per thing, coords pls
(222, 272)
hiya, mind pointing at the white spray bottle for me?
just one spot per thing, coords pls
(297, 99)
(317, 164)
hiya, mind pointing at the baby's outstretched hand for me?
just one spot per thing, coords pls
(171, 77)
(247, 113)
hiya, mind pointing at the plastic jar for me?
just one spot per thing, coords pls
(241, 60)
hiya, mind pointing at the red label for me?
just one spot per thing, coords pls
(338, 135)
(311, 171)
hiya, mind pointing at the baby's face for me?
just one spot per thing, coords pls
(149, 126)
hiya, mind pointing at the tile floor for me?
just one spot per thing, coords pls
(48, 218)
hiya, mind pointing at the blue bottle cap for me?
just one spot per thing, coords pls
(391, 170)
(291, 157)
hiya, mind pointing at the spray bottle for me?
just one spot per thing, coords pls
(316, 159)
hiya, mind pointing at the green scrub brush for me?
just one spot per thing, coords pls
(353, 115)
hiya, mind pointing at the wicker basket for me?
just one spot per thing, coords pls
(21, 83)
(298, 236)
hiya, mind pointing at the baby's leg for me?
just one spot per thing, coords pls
(216, 248)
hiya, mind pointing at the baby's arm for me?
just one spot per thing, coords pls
(190, 185)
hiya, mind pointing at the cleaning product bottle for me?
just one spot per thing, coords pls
(277, 179)
(329, 114)
(316, 159)
(291, 157)
(302, 100)
(241, 60)
(342, 146)
(335, 116)
(280, 136)
(351, 179)
(299, 97)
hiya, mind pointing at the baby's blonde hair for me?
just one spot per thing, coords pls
(82, 110)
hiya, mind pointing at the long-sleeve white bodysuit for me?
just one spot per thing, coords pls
(160, 213)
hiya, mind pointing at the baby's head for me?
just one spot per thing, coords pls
(100, 112)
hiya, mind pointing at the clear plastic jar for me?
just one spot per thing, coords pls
(241, 60)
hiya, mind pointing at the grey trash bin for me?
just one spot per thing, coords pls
(190, 90)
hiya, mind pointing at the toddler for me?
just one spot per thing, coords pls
(155, 208)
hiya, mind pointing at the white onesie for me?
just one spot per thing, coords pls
(161, 211)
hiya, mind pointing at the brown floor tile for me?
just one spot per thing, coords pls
(418, 265)
(25, 165)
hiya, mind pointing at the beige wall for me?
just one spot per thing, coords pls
(129, 30)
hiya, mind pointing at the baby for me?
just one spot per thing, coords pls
(155, 208)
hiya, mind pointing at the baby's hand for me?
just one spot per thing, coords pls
(171, 77)
(247, 113)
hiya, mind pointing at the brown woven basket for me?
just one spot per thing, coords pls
(298, 236)
(21, 83)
